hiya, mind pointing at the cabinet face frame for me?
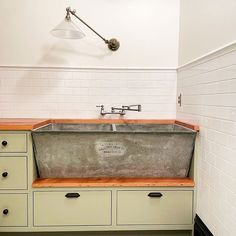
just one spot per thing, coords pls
(32, 175)
(25, 154)
(104, 196)
(8, 204)
(127, 198)
(16, 142)
(13, 163)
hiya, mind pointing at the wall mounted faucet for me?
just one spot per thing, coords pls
(138, 108)
(103, 112)
(119, 110)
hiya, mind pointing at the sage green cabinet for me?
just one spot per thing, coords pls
(13, 181)
(13, 143)
(87, 208)
(154, 207)
(13, 210)
(13, 172)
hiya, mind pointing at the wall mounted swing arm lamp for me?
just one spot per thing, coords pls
(68, 30)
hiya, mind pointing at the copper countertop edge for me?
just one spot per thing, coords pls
(112, 182)
(28, 124)
(22, 124)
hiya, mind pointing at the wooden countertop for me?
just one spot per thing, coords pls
(30, 124)
(112, 182)
(22, 124)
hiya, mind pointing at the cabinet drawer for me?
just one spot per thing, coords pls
(162, 207)
(13, 210)
(13, 173)
(13, 143)
(87, 208)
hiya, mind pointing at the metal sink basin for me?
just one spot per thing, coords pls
(59, 127)
(113, 150)
(151, 128)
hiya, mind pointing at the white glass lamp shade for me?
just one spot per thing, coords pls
(67, 30)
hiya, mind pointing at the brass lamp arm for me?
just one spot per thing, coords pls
(113, 44)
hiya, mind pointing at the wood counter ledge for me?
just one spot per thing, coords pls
(22, 124)
(112, 182)
(30, 124)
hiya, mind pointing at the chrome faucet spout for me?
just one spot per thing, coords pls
(137, 107)
(117, 108)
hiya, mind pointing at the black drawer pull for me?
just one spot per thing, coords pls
(72, 195)
(5, 212)
(4, 174)
(155, 194)
(4, 143)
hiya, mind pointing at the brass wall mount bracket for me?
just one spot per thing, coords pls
(113, 44)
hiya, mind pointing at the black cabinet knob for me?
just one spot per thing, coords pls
(5, 212)
(4, 143)
(4, 174)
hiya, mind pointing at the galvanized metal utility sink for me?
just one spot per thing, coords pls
(113, 150)
(151, 128)
(58, 127)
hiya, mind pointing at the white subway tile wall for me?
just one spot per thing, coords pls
(74, 93)
(209, 99)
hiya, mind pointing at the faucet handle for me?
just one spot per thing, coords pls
(102, 106)
(102, 109)
(139, 107)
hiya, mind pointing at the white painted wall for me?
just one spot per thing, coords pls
(208, 89)
(205, 25)
(147, 30)
(46, 78)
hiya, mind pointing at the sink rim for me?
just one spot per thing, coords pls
(115, 128)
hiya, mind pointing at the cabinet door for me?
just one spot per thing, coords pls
(13, 173)
(154, 207)
(72, 208)
(13, 143)
(13, 210)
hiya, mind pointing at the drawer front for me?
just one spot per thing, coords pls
(12, 143)
(13, 210)
(13, 173)
(162, 207)
(55, 209)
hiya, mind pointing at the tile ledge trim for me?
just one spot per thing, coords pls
(225, 49)
(61, 68)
